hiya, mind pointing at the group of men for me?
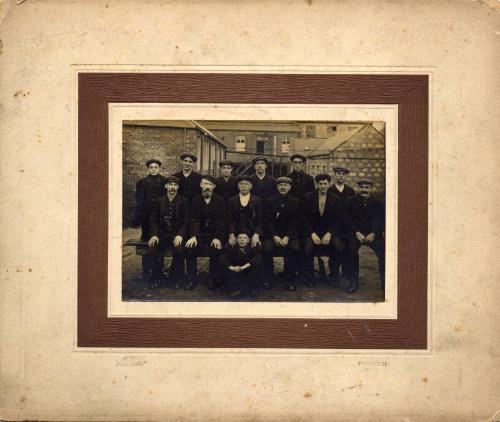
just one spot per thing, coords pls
(241, 223)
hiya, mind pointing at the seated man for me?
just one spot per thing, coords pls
(240, 266)
(244, 211)
(168, 226)
(321, 214)
(281, 214)
(366, 218)
(207, 231)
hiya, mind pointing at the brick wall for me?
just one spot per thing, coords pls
(363, 155)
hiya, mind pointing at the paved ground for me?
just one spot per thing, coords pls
(136, 289)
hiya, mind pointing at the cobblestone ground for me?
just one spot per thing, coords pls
(136, 289)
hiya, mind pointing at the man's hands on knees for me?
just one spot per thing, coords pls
(177, 240)
(153, 241)
(216, 243)
(192, 242)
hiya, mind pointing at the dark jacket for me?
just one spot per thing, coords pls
(189, 186)
(249, 217)
(346, 193)
(147, 190)
(236, 257)
(265, 187)
(281, 216)
(227, 189)
(302, 183)
(365, 215)
(161, 225)
(208, 219)
(313, 222)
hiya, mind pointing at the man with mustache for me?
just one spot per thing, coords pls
(147, 190)
(168, 226)
(244, 211)
(366, 218)
(281, 216)
(263, 185)
(207, 232)
(227, 184)
(188, 178)
(322, 215)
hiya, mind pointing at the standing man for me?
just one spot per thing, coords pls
(207, 232)
(302, 182)
(227, 184)
(147, 190)
(168, 226)
(366, 218)
(321, 218)
(244, 211)
(342, 191)
(189, 179)
(263, 185)
(281, 217)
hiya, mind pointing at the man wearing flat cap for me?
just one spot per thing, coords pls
(227, 184)
(189, 179)
(207, 232)
(263, 185)
(244, 211)
(240, 266)
(281, 234)
(168, 227)
(322, 213)
(342, 191)
(302, 182)
(366, 218)
(147, 190)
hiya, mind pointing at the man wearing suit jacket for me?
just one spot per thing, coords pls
(244, 211)
(342, 191)
(168, 226)
(147, 190)
(281, 220)
(207, 231)
(366, 217)
(263, 185)
(188, 178)
(302, 182)
(322, 214)
(227, 184)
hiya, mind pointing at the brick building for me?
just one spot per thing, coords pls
(164, 140)
(362, 152)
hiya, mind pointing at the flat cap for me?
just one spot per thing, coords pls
(243, 230)
(301, 156)
(172, 179)
(209, 178)
(153, 161)
(226, 163)
(322, 176)
(345, 170)
(244, 177)
(284, 179)
(188, 154)
(365, 182)
(254, 160)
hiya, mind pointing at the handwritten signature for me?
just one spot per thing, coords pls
(130, 361)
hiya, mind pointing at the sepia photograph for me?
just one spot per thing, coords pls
(256, 211)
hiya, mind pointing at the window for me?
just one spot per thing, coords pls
(333, 129)
(285, 146)
(240, 143)
(260, 147)
(310, 131)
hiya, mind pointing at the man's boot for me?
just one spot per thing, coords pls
(353, 286)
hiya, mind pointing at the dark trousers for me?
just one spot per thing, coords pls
(203, 249)
(244, 281)
(290, 254)
(149, 261)
(378, 247)
(310, 249)
(157, 252)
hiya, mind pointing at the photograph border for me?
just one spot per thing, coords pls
(409, 92)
